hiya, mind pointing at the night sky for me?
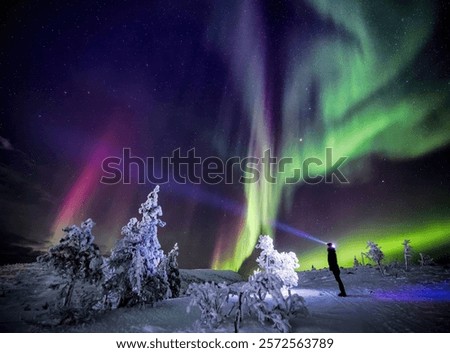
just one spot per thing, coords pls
(80, 81)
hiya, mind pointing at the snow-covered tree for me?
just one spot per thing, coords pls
(407, 252)
(276, 272)
(212, 299)
(271, 261)
(137, 262)
(173, 273)
(355, 262)
(263, 296)
(76, 258)
(375, 254)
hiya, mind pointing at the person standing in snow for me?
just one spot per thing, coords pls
(334, 267)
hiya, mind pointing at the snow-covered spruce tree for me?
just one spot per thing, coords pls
(77, 258)
(271, 261)
(173, 273)
(375, 254)
(137, 273)
(407, 252)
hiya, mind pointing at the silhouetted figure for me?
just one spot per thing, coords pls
(334, 267)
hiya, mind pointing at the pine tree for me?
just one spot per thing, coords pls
(271, 261)
(407, 252)
(375, 254)
(76, 258)
(173, 273)
(137, 271)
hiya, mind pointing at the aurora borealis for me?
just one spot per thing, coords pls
(368, 79)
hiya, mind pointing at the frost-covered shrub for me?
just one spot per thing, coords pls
(137, 273)
(263, 297)
(425, 260)
(375, 254)
(211, 298)
(76, 258)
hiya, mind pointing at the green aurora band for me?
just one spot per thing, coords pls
(370, 101)
(423, 236)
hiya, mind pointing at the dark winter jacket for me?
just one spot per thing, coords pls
(332, 260)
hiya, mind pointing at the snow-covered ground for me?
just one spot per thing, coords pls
(414, 301)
